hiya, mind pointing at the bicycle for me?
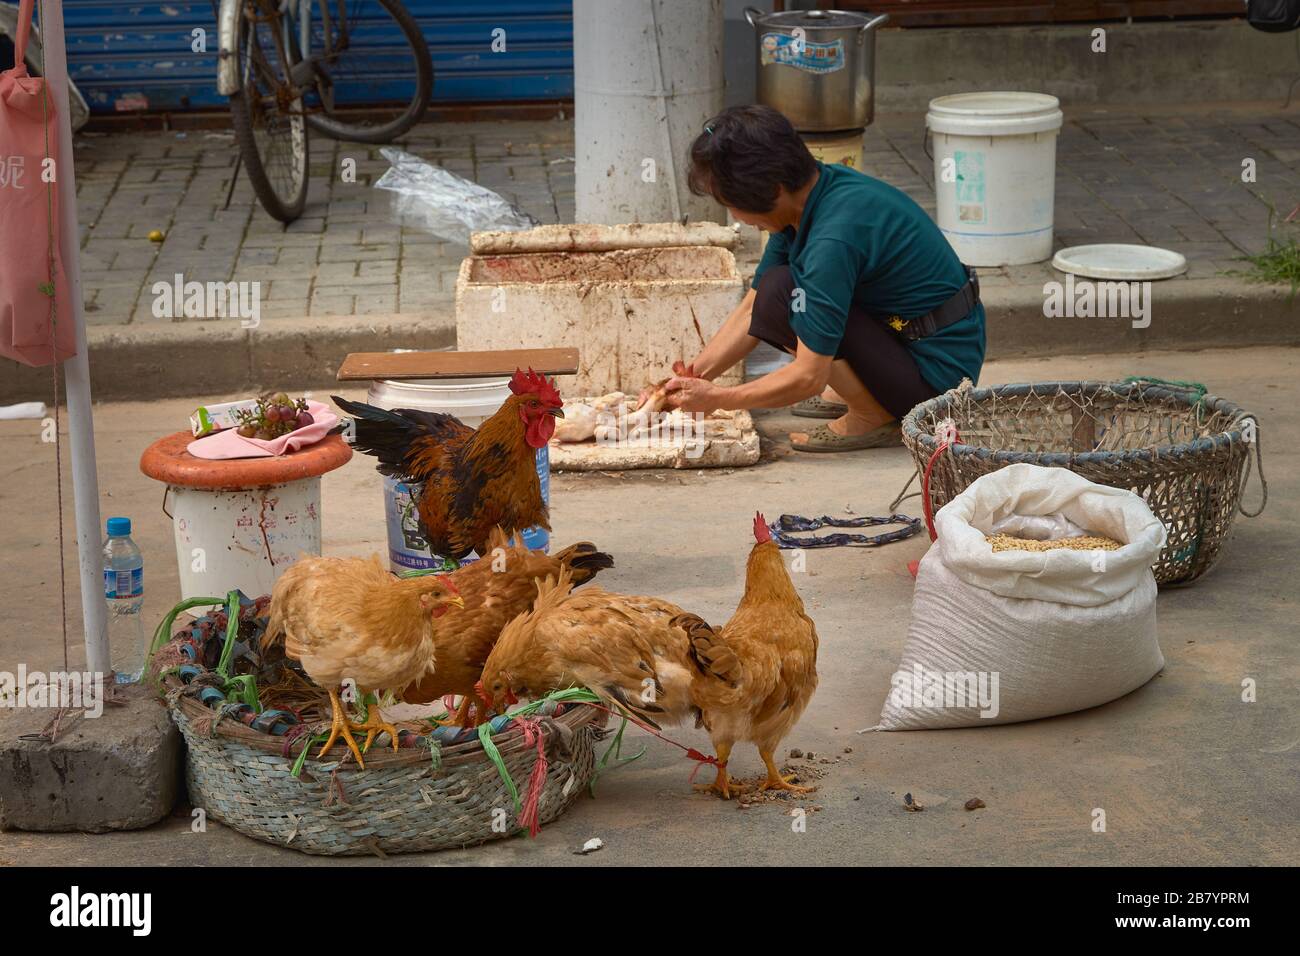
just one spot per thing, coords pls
(339, 67)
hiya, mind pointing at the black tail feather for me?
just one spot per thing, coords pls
(387, 435)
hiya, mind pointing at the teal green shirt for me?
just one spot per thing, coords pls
(861, 241)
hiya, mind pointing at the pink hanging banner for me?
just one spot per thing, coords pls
(36, 320)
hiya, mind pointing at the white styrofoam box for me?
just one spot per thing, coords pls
(630, 312)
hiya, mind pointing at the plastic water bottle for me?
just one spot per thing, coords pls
(124, 592)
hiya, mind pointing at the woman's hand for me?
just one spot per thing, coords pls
(693, 394)
(679, 368)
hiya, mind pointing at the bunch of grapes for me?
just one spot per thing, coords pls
(273, 417)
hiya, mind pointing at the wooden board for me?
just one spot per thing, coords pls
(368, 366)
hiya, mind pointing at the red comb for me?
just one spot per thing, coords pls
(450, 584)
(761, 532)
(530, 382)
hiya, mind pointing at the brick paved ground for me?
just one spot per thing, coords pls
(1170, 178)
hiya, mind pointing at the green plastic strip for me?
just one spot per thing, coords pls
(232, 631)
(573, 695)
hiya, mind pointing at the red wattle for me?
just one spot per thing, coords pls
(539, 431)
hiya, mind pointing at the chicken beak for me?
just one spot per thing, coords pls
(456, 601)
(557, 412)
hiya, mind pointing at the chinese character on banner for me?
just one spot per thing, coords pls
(11, 171)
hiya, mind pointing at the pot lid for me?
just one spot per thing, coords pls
(814, 19)
(1117, 260)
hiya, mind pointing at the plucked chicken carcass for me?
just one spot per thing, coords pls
(473, 480)
(349, 619)
(497, 588)
(766, 659)
(620, 647)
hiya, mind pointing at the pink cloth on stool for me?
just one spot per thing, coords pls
(230, 444)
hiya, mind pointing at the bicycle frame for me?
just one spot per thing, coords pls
(230, 28)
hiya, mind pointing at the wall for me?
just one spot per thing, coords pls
(1145, 63)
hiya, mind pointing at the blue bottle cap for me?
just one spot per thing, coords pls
(119, 527)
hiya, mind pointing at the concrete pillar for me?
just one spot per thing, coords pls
(647, 74)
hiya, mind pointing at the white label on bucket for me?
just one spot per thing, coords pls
(970, 186)
(787, 50)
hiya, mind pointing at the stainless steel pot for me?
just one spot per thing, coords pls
(818, 66)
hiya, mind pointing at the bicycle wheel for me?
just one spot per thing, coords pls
(267, 112)
(375, 76)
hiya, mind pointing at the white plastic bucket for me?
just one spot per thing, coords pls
(472, 400)
(995, 174)
(242, 539)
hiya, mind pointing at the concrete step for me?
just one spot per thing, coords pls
(192, 358)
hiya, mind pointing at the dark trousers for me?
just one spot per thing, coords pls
(877, 355)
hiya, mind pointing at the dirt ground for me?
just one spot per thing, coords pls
(1186, 771)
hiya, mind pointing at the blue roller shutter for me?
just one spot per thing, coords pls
(139, 56)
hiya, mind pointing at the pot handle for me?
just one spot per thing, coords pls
(751, 13)
(874, 22)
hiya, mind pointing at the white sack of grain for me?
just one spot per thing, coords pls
(1017, 635)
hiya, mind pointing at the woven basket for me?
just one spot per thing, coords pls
(1182, 451)
(398, 804)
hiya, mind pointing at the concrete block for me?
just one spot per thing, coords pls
(119, 771)
(630, 312)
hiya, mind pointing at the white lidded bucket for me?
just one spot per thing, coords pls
(242, 538)
(995, 174)
(472, 401)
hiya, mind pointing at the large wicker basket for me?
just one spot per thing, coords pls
(398, 804)
(1183, 451)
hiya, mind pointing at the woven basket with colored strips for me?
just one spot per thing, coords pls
(399, 803)
(1187, 453)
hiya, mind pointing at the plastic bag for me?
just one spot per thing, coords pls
(444, 204)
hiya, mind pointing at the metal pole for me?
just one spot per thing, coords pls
(76, 370)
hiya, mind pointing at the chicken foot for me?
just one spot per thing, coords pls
(774, 779)
(340, 726)
(374, 723)
(723, 785)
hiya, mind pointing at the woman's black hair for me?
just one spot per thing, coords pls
(744, 156)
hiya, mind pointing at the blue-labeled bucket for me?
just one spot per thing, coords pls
(472, 401)
(408, 548)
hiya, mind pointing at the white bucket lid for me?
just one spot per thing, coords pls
(1118, 260)
(1007, 113)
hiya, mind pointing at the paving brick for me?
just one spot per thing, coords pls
(1120, 178)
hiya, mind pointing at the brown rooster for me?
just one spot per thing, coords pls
(474, 480)
(496, 589)
(349, 619)
(766, 659)
(620, 647)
